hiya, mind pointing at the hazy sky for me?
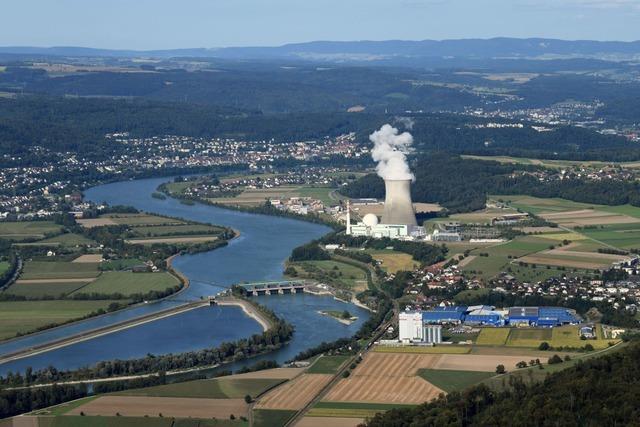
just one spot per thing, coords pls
(155, 24)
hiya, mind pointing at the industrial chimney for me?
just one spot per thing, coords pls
(398, 208)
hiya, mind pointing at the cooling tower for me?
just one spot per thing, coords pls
(398, 208)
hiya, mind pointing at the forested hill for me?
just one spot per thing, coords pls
(602, 391)
(462, 185)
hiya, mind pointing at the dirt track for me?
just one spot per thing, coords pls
(294, 394)
(139, 406)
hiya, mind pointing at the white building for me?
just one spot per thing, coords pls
(413, 329)
(370, 227)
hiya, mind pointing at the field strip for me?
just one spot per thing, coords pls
(333, 421)
(34, 281)
(140, 406)
(172, 240)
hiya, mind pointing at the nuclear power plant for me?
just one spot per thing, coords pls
(398, 208)
(398, 217)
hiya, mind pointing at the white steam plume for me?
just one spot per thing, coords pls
(388, 151)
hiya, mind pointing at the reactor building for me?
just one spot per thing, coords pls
(398, 217)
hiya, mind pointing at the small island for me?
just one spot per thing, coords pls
(343, 317)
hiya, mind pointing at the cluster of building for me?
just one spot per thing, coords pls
(418, 326)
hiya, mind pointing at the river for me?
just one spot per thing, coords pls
(257, 255)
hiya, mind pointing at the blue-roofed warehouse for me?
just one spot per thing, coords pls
(453, 314)
(489, 316)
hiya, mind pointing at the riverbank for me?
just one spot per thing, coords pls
(248, 309)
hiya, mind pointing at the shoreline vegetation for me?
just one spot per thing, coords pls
(343, 317)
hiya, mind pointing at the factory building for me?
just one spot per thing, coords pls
(412, 324)
(413, 329)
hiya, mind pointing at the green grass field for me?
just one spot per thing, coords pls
(19, 231)
(528, 337)
(141, 219)
(25, 316)
(327, 364)
(4, 266)
(351, 409)
(453, 380)
(128, 283)
(563, 336)
(493, 336)
(119, 264)
(336, 273)
(58, 270)
(440, 349)
(40, 290)
(174, 230)
(218, 388)
(271, 417)
(68, 239)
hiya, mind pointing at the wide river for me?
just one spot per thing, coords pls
(257, 255)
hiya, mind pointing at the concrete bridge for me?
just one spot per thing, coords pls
(275, 288)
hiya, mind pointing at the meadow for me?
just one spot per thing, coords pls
(19, 231)
(26, 316)
(393, 261)
(218, 388)
(44, 270)
(451, 380)
(327, 364)
(128, 283)
(336, 273)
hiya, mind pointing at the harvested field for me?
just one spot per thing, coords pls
(329, 422)
(182, 239)
(167, 406)
(96, 222)
(386, 378)
(295, 394)
(588, 217)
(276, 373)
(88, 258)
(392, 261)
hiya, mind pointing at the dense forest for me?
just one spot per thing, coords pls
(462, 185)
(601, 391)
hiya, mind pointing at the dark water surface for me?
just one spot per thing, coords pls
(257, 255)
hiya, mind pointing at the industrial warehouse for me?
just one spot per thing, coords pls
(425, 326)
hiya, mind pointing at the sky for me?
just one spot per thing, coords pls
(169, 24)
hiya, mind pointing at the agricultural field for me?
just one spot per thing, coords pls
(564, 336)
(47, 270)
(255, 197)
(4, 266)
(175, 230)
(439, 349)
(140, 219)
(493, 336)
(622, 236)
(336, 273)
(271, 417)
(128, 283)
(450, 380)
(67, 240)
(26, 316)
(354, 411)
(27, 230)
(392, 261)
(39, 289)
(295, 394)
(327, 364)
(142, 406)
(217, 388)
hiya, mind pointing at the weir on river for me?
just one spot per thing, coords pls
(257, 255)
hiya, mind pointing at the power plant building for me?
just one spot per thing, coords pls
(398, 218)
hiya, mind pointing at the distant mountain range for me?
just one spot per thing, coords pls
(375, 51)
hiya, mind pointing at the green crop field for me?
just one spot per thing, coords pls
(25, 316)
(627, 237)
(319, 193)
(449, 381)
(327, 364)
(40, 290)
(19, 231)
(271, 417)
(528, 337)
(218, 388)
(128, 283)
(141, 219)
(334, 272)
(493, 336)
(351, 409)
(4, 266)
(174, 230)
(440, 349)
(68, 239)
(58, 270)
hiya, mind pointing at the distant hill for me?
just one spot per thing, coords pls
(378, 51)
